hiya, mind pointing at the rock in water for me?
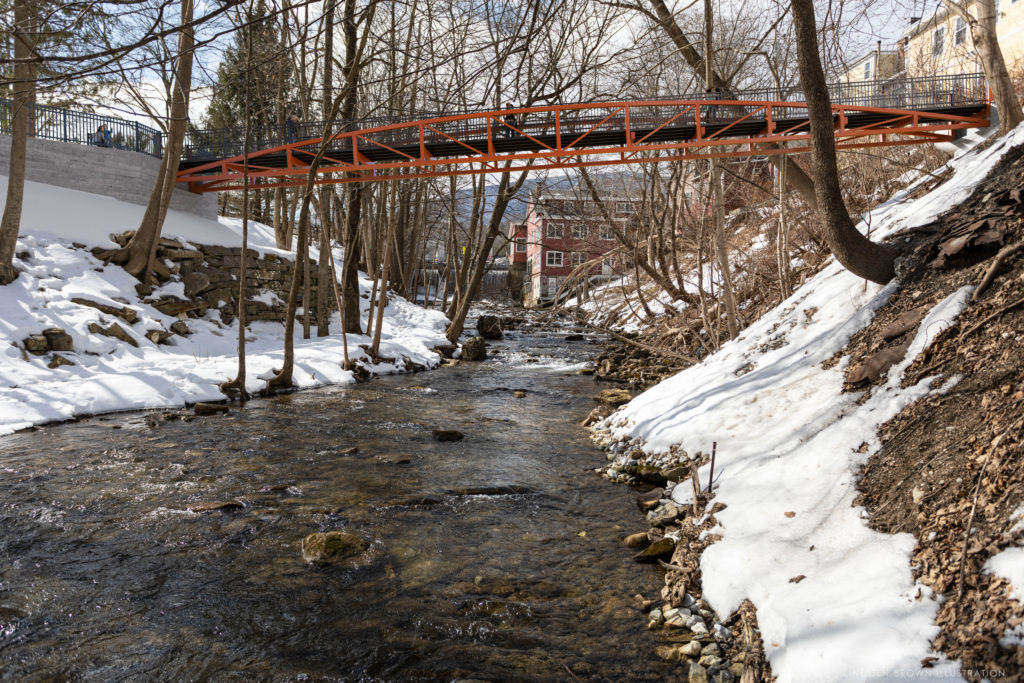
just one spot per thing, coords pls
(474, 349)
(210, 408)
(637, 541)
(489, 327)
(660, 550)
(332, 547)
(613, 397)
(448, 435)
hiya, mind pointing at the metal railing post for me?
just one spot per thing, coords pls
(65, 127)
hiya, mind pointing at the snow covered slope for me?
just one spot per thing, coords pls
(110, 375)
(788, 445)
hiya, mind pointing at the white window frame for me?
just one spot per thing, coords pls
(579, 231)
(520, 245)
(867, 70)
(959, 32)
(549, 259)
(623, 207)
(577, 258)
(606, 233)
(938, 41)
(556, 232)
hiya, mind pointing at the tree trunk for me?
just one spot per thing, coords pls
(141, 250)
(24, 89)
(722, 252)
(855, 252)
(324, 274)
(983, 33)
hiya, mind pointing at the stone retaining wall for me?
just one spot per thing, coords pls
(210, 274)
(120, 174)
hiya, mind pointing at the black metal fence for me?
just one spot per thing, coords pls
(65, 125)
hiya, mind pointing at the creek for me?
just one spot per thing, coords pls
(497, 557)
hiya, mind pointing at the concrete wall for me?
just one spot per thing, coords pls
(127, 176)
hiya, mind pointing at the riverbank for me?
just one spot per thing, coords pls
(79, 340)
(787, 414)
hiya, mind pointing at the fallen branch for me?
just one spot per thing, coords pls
(1004, 309)
(990, 274)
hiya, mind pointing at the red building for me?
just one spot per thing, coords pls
(565, 235)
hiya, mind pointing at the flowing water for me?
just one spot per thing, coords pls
(105, 573)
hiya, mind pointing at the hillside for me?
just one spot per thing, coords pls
(824, 397)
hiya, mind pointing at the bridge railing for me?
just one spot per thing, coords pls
(66, 125)
(895, 93)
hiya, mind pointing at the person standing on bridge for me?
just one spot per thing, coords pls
(103, 137)
(510, 121)
(291, 129)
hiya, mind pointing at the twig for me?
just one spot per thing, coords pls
(992, 317)
(990, 274)
(566, 666)
(711, 476)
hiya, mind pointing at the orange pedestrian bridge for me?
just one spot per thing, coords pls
(901, 111)
(898, 111)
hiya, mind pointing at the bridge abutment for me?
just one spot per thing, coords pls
(121, 174)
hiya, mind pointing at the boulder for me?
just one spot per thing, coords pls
(210, 408)
(489, 327)
(37, 344)
(58, 361)
(596, 415)
(474, 349)
(180, 327)
(115, 331)
(519, 393)
(638, 541)
(659, 550)
(613, 397)
(196, 283)
(126, 314)
(158, 336)
(448, 435)
(332, 547)
(58, 339)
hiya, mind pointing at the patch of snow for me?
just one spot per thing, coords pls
(109, 375)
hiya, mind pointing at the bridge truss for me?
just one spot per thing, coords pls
(877, 114)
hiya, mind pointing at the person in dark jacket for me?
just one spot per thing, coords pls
(291, 129)
(103, 136)
(510, 121)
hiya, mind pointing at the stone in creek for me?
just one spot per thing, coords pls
(210, 408)
(670, 653)
(698, 674)
(518, 393)
(638, 541)
(448, 435)
(332, 547)
(651, 499)
(613, 397)
(660, 550)
(663, 515)
(489, 327)
(699, 629)
(220, 505)
(597, 414)
(585, 371)
(394, 459)
(474, 349)
(58, 339)
(691, 649)
(574, 337)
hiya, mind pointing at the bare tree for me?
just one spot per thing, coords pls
(24, 95)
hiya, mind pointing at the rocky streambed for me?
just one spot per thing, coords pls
(131, 545)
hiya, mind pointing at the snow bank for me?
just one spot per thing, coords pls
(109, 375)
(789, 444)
